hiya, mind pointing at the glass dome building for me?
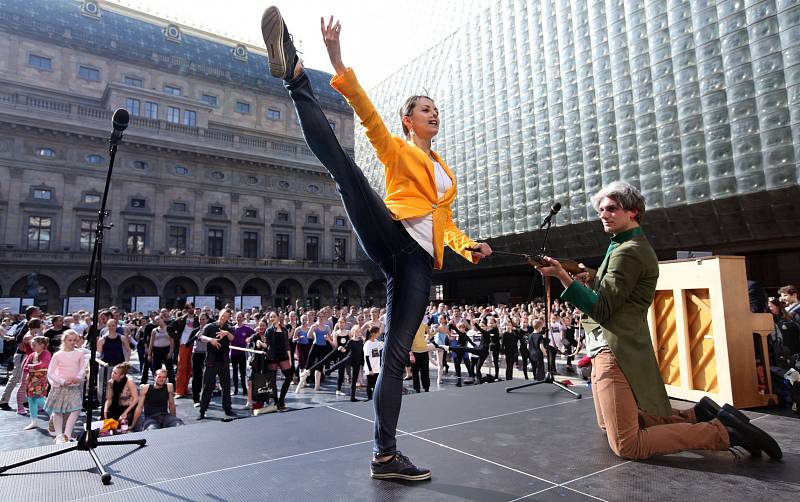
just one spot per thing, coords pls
(696, 102)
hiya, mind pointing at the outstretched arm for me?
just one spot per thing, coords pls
(330, 35)
(346, 83)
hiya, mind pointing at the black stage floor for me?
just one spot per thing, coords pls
(480, 442)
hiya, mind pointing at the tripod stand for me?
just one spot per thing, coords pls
(548, 377)
(87, 441)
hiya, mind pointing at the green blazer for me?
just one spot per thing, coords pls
(622, 293)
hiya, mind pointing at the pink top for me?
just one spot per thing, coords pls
(64, 365)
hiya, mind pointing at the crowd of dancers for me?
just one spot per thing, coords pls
(196, 353)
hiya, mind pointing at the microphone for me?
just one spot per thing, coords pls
(119, 121)
(553, 211)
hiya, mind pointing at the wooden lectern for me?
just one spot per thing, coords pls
(702, 331)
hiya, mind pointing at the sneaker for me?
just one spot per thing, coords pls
(281, 53)
(30, 426)
(196, 405)
(231, 413)
(400, 467)
(339, 393)
(5, 407)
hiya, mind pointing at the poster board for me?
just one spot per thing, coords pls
(247, 302)
(12, 304)
(204, 301)
(145, 304)
(76, 303)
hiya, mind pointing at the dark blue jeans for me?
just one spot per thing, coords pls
(407, 267)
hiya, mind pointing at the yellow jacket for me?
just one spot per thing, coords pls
(410, 182)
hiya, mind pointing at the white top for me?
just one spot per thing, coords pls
(421, 229)
(475, 336)
(187, 330)
(372, 351)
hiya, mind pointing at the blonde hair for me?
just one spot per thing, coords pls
(68, 333)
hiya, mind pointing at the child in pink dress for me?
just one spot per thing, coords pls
(66, 374)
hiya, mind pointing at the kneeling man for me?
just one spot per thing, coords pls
(629, 396)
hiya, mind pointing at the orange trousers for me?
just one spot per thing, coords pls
(184, 371)
(636, 435)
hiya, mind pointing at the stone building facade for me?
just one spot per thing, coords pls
(213, 191)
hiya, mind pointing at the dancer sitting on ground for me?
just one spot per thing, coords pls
(66, 373)
(157, 404)
(629, 396)
(121, 395)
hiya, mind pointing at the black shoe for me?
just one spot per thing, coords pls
(281, 53)
(749, 437)
(5, 407)
(706, 410)
(355, 400)
(202, 415)
(231, 413)
(400, 467)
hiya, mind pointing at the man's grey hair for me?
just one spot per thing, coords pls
(625, 194)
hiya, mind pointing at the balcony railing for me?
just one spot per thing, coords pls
(54, 258)
(80, 113)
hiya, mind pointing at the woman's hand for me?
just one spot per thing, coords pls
(482, 250)
(330, 35)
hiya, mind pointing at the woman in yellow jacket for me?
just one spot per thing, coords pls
(404, 234)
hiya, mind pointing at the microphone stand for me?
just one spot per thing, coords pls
(87, 441)
(548, 377)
